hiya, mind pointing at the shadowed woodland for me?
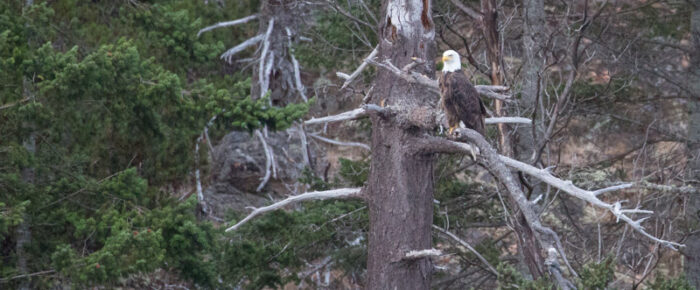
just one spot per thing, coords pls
(288, 144)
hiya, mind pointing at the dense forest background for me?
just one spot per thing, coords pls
(130, 139)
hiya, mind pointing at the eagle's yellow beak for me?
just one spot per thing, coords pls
(445, 58)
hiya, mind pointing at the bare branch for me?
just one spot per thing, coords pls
(492, 94)
(304, 145)
(342, 75)
(687, 189)
(228, 23)
(476, 15)
(348, 15)
(545, 236)
(241, 47)
(432, 85)
(5, 106)
(494, 88)
(432, 144)
(411, 77)
(469, 247)
(590, 196)
(341, 143)
(518, 120)
(440, 145)
(268, 161)
(314, 195)
(200, 194)
(263, 55)
(297, 72)
(349, 115)
(203, 136)
(413, 255)
(297, 79)
(359, 69)
(612, 188)
(28, 275)
(355, 114)
(265, 84)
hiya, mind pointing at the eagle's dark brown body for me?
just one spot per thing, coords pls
(461, 101)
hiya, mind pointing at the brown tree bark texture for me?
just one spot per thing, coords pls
(400, 189)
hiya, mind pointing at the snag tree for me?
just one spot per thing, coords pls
(400, 186)
(403, 110)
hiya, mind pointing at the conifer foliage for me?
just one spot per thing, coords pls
(114, 94)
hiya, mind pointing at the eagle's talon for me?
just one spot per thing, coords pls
(473, 154)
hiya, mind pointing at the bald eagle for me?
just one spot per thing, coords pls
(460, 100)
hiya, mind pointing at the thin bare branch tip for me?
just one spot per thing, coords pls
(359, 69)
(469, 247)
(228, 23)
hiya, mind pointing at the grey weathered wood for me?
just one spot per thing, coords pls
(227, 23)
(692, 252)
(533, 39)
(313, 195)
(279, 75)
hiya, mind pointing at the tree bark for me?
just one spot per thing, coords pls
(692, 250)
(400, 188)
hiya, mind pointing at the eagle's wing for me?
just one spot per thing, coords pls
(462, 101)
(447, 93)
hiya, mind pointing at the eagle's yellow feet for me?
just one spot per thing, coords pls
(382, 103)
(451, 129)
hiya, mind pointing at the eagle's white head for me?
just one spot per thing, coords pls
(451, 61)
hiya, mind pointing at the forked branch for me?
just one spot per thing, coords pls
(591, 197)
(350, 78)
(438, 145)
(545, 236)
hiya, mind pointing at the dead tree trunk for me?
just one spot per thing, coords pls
(278, 73)
(533, 37)
(529, 246)
(400, 189)
(692, 250)
(277, 63)
(489, 9)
